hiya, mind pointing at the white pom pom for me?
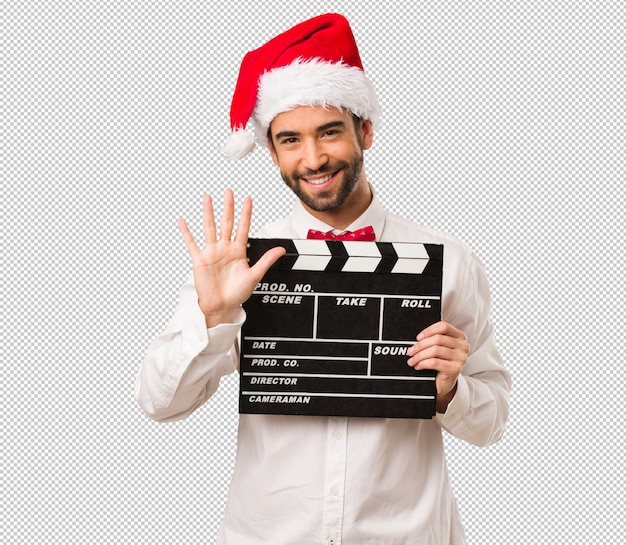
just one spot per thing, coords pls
(239, 144)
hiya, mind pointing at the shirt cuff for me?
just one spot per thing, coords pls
(222, 336)
(458, 407)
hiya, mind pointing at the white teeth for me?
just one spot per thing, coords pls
(320, 181)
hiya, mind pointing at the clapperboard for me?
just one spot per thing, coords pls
(329, 325)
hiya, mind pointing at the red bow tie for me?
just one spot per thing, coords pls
(367, 233)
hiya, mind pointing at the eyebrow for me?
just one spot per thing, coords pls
(321, 128)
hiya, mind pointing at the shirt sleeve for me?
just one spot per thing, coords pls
(480, 408)
(183, 365)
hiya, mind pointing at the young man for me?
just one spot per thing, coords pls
(326, 480)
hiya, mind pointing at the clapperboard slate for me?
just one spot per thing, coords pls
(328, 327)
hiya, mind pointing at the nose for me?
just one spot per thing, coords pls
(314, 155)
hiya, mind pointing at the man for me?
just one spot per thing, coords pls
(326, 480)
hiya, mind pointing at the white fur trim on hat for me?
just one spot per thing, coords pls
(238, 144)
(314, 83)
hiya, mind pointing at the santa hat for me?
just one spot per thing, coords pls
(314, 63)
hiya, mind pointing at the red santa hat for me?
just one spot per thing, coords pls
(314, 63)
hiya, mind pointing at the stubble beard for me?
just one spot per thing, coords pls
(327, 200)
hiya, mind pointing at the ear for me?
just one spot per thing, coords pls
(367, 130)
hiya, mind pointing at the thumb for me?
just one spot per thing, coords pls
(266, 261)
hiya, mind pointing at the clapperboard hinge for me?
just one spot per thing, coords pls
(352, 256)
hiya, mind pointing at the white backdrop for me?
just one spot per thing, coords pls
(502, 123)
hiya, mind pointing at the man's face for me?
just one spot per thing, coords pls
(320, 154)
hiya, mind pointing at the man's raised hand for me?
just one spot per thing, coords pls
(222, 276)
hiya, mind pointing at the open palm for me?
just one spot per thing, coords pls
(222, 276)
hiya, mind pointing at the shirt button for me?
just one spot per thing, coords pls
(334, 491)
(337, 435)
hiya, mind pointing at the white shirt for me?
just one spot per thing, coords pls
(311, 480)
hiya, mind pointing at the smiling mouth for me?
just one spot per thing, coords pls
(320, 179)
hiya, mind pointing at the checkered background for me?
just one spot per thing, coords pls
(503, 123)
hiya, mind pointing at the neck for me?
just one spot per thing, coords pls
(351, 209)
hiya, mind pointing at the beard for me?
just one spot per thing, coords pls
(327, 200)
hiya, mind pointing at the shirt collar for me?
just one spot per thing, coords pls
(374, 215)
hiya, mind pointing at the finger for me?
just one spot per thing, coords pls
(228, 216)
(441, 328)
(208, 216)
(243, 226)
(440, 353)
(190, 242)
(439, 340)
(266, 261)
(443, 367)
